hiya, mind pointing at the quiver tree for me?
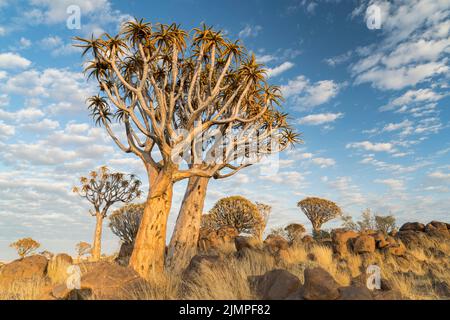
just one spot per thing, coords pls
(319, 211)
(25, 246)
(103, 188)
(124, 222)
(295, 232)
(236, 212)
(176, 96)
(83, 248)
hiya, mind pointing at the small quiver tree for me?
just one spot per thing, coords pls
(319, 211)
(25, 246)
(103, 188)
(124, 222)
(236, 212)
(83, 248)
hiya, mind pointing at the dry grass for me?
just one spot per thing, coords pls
(414, 275)
(23, 290)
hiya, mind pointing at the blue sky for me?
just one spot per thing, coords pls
(372, 104)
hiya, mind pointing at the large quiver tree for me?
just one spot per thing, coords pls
(167, 90)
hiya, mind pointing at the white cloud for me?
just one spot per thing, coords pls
(306, 94)
(369, 146)
(6, 130)
(324, 162)
(11, 60)
(394, 184)
(413, 97)
(397, 126)
(439, 175)
(321, 118)
(273, 72)
(414, 45)
(401, 77)
(249, 31)
(265, 58)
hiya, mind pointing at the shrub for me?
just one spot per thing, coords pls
(25, 246)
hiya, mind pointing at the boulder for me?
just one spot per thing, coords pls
(251, 243)
(215, 240)
(341, 241)
(364, 244)
(413, 226)
(275, 243)
(125, 251)
(380, 240)
(355, 293)
(28, 268)
(198, 264)
(397, 249)
(413, 239)
(319, 285)
(104, 281)
(437, 229)
(275, 285)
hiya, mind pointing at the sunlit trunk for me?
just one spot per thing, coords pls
(150, 243)
(97, 246)
(183, 244)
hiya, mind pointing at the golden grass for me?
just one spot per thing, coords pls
(23, 290)
(413, 276)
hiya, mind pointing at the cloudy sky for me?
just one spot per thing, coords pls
(372, 104)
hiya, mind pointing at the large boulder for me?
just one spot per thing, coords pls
(413, 226)
(275, 285)
(104, 281)
(355, 293)
(341, 241)
(28, 268)
(413, 239)
(216, 240)
(364, 244)
(274, 243)
(251, 243)
(319, 285)
(199, 264)
(437, 229)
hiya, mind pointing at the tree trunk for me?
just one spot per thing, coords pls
(97, 246)
(183, 244)
(150, 244)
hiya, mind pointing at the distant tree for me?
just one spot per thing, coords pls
(295, 231)
(370, 221)
(319, 211)
(237, 212)
(385, 223)
(25, 246)
(103, 189)
(83, 248)
(124, 222)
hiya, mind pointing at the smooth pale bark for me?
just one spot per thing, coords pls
(150, 244)
(183, 244)
(97, 245)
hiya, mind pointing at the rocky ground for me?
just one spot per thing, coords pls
(414, 263)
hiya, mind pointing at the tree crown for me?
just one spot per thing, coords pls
(103, 188)
(25, 246)
(319, 210)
